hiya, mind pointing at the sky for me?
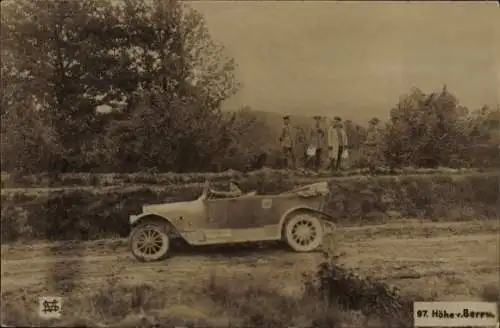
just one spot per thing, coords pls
(355, 59)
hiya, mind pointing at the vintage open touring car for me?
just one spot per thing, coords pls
(295, 217)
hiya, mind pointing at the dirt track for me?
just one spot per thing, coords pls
(434, 256)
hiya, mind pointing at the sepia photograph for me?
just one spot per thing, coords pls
(307, 164)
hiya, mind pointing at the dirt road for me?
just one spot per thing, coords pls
(435, 256)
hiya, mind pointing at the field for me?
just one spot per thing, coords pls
(83, 211)
(113, 179)
(65, 236)
(102, 283)
(150, 106)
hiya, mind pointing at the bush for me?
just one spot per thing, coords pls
(331, 297)
(342, 288)
(100, 212)
(428, 196)
(45, 180)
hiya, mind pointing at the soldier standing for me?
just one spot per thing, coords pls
(337, 143)
(286, 140)
(317, 141)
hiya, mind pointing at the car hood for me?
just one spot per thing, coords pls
(172, 207)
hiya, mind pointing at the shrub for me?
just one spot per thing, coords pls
(333, 296)
(342, 288)
(112, 179)
(99, 212)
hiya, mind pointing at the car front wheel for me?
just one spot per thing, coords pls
(150, 241)
(303, 232)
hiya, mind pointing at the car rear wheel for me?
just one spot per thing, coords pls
(303, 232)
(150, 241)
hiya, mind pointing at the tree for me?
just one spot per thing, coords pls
(164, 134)
(483, 130)
(168, 45)
(356, 136)
(63, 59)
(183, 77)
(28, 143)
(426, 130)
(252, 140)
(84, 54)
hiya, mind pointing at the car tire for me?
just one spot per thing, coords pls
(303, 232)
(150, 241)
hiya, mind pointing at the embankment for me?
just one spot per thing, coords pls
(46, 180)
(83, 213)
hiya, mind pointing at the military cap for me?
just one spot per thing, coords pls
(374, 121)
(337, 118)
(286, 116)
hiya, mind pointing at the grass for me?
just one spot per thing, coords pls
(332, 297)
(44, 180)
(359, 282)
(92, 213)
(241, 301)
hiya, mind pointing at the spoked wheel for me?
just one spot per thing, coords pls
(303, 232)
(150, 241)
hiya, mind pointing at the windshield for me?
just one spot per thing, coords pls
(232, 191)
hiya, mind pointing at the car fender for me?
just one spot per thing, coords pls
(136, 219)
(329, 224)
(177, 230)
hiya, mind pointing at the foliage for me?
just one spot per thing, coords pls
(483, 127)
(100, 212)
(28, 144)
(45, 180)
(62, 58)
(88, 54)
(241, 301)
(432, 130)
(170, 136)
(248, 142)
(341, 287)
(134, 86)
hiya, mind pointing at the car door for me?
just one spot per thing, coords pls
(250, 212)
(217, 213)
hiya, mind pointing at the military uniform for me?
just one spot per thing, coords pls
(337, 143)
(317, 140)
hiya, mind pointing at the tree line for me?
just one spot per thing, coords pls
(162, 80)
